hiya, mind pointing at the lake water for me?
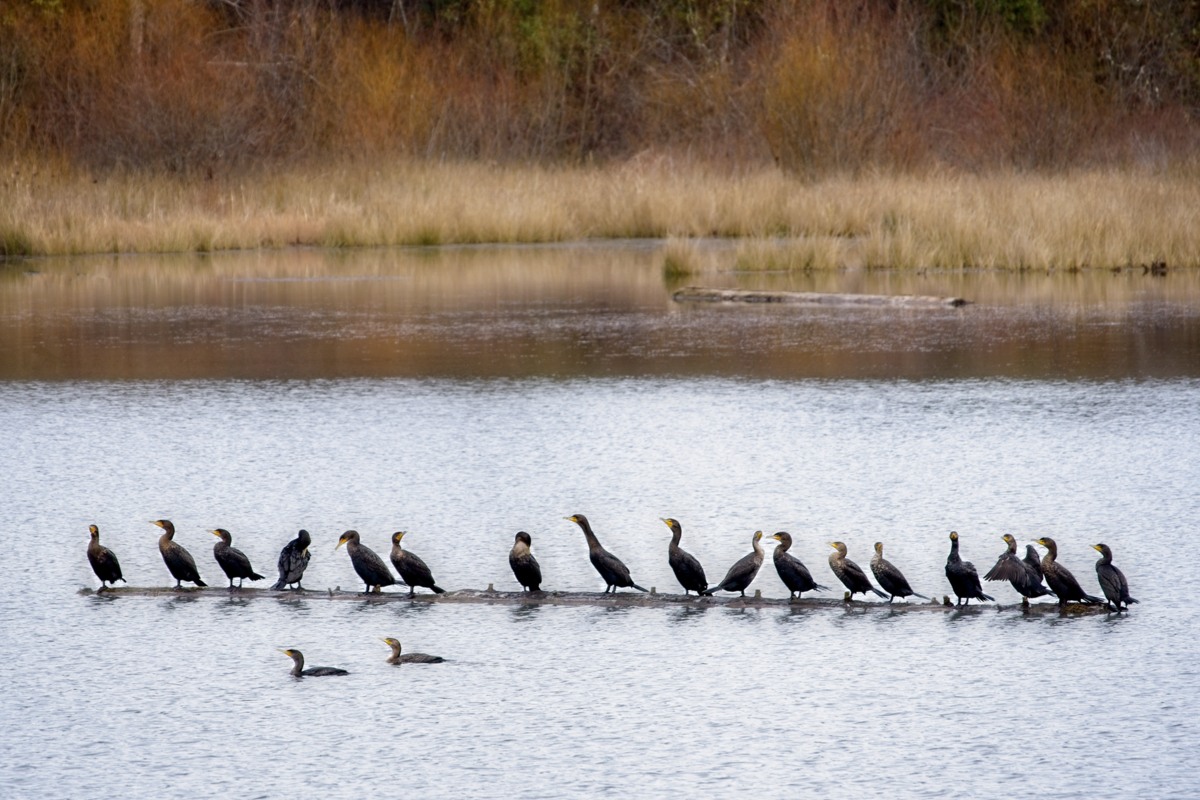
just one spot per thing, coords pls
(462, 395)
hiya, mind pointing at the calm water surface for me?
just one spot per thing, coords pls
(357, 395)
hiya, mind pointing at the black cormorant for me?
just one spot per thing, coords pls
(962, 575)
(411, 568)
(849, 573)
(1024, 577)
(743, 572)
(792, 572)
(686, 566)
(1059, 578)
(298, 669)
(1112, 580)
(178, 561)
(366, 562)
(524, 566)
(409, 658)
(293, 560)
(233, 561)
(611, 569)
(890, 579)
(104, 561)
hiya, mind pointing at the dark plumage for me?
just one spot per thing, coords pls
(687, 568)
(1024, 577)
(293, 560)
(299, 671)
(962, 575)
(849, 573)
(1059, 578)
(178, 560)
(366, 562)
(524, 566)
(1112, 580)
(104, 561)
(744, 570)
(233, 561)
(792, 572)
(1034, 561)
(411, 568)
(890, 578)
(611, 569)
(409, 658)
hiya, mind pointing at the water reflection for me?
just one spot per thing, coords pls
(526, 612)
(579, 310)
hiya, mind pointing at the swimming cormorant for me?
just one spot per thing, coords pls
(293, 560)
(524, 566)
(104, 561)
(366, 562)
(890, 578)
(1059, 578)
(849, 573)
(178, 560)
(744, 570)
(1112, 580)
(962, 575)
(1023, 576)
(298, 669)
(686, 566)
(409, 658)
(611, 569)
(411, 568)
(792, 572)
(233, 561)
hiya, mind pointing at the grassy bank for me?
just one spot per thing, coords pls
(1082, 219)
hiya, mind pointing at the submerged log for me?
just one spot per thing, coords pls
(653, 599)
(704, 295)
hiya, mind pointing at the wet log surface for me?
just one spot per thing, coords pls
(624, 599)
(704, 295)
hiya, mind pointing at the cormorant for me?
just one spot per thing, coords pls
(792, 572)
(962, 575)
(298, 669)
(686, 566)
(411, 568)
(233, 561)
(1034, 561)
(890, 578)
(409, 658)
(524, 566)
(366, 562)
(293, 560)
(1059, 578)
(178, 560)
(849, 573)
(1024, 577)
(1112, 580)
(744, 570)
(611, 569)
(104, 561)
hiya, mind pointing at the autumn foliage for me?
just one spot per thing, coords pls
(817, 86)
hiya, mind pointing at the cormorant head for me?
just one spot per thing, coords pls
(292, 654)
(166, 525)
(879, 548)
(954, 536)
(840, 547)
(1104, 549)
(673, 524)
(757, 537)
(784, 538)
(578, 519)
(94, 531)
(1008, 539)
(223, 535)
(305, 538)
(393, 643)
(397, 536)
(348, 536)
(522, 536)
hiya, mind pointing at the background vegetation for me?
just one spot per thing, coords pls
(818, 87)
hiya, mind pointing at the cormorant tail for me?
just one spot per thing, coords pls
(438, 589)
(279, 584)
(639, 588)
(881, 594)
(199, 582)
(254, 576)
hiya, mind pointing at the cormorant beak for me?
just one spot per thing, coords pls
(156, 523)
(1096, 547)
(569, 519)
(214, 533)
(339, 544)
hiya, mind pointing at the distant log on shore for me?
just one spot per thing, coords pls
(652, 599)
(699, 294)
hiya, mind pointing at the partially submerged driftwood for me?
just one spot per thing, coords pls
(703, 295)
(631, 599)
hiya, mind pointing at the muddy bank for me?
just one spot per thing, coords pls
(699, 294)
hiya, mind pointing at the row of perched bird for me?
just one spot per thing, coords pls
(1025, 574)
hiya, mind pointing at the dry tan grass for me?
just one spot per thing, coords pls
(1013, 221)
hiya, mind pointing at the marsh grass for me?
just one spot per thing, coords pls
(1007, 220)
